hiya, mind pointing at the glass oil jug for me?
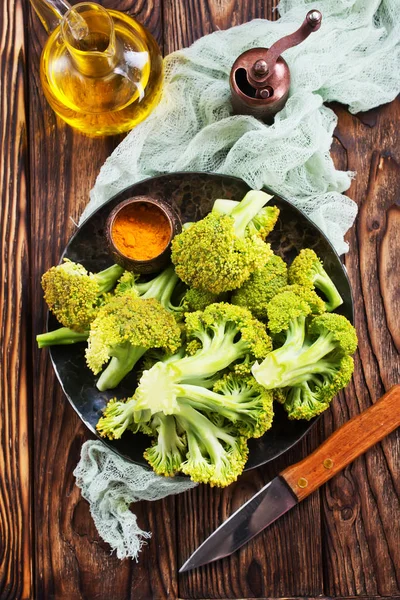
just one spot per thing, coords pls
(101, 71)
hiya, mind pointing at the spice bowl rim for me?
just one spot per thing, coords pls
(149, 265)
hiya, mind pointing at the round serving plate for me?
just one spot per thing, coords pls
(192, 196)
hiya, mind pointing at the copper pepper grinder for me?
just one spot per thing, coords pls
(260, 78)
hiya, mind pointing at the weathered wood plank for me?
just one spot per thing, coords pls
(15, 463)
(187, 20)
(361, 530)
(72, 562)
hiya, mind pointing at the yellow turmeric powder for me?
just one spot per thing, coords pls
(141, 231)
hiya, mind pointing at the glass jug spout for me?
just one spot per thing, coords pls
(51, 12)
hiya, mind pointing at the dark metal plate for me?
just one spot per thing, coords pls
(192, 195)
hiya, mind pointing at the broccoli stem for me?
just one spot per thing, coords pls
(247, 209)
(121, 363)
(107, 278)
(206, 431)
(215, 357)
(323, 282)
(204, 399)
(161, 287)
(60, 337)
(285, 367)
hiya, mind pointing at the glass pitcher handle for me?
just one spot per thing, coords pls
(50, 12)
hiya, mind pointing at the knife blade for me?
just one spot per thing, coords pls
(299, 480)
(271, 502)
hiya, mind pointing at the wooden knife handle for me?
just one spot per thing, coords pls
(351, 440)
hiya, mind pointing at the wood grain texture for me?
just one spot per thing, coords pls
(72, 561)
(187, 20)
(360, 527)
(15, 467)
(341, 542)
(285, 559)
(347, 443)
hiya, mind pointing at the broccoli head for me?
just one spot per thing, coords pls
(307, 270)
(73, 295)
(123, 330)
(261, 286)
(217, 254)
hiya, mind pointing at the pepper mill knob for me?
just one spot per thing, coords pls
(260, 78)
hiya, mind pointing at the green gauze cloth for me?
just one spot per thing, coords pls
(354, 59)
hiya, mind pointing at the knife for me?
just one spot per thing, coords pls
(298, 481)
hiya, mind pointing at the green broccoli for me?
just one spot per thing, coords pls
(194, 300)
(74, 295)
(262, 224)
(161, 287)
(217, 254)
(312, 396)
(261, 286)
(227, 335)
(123, 330)
(209, 428)
(316, 352)
(307, 270)
(61, 337)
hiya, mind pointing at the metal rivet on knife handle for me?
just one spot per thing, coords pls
(344, 445)
(302, 482)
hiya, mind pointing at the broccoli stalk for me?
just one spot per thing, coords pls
(161, 287)
(60, 337)
(107, 278)
(218, 253)
(307, 270)
(123, 359)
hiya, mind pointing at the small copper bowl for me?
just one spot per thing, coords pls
(155, 263)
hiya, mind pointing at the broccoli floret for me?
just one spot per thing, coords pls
(262, 224)
(216, 455)
(198, 300)
(312, 351)
(316, 303)
(312, 396)
(227, 334)
(217, 254)
(261, 286)
(161, 287)
(74, 295)
(307, 270)
(118, 417)
(168, 451)
(61, 337)
(123, 330)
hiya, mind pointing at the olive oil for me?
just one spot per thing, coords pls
(105, 77)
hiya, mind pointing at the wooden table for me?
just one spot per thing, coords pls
(344, 540)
